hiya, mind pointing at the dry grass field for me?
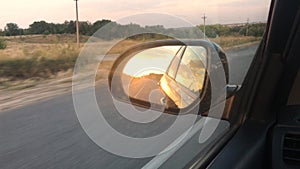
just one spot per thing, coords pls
(230, 41)
(44, 56)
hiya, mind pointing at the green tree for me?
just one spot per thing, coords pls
(2, 33)
(40, 27)
(84, 28)
(11, 29)
(71, 27)
(257, 30)
(97, 25)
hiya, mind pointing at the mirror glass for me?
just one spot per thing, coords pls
(171, 76)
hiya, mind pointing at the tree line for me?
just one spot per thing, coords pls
(115, 30)
(252, 29)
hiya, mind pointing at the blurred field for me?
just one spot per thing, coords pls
(231, 41)
(44, 56)
(45, 39)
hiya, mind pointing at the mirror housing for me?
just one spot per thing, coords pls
(115, 75)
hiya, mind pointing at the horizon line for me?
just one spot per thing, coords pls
(49, 22)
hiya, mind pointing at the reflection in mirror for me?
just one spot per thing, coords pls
(144, 70)
(186, 86)
(191, 70)
(172, 76)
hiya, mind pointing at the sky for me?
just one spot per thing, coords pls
(25, 12)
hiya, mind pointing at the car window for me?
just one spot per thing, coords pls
(191, 70)
(56, 60)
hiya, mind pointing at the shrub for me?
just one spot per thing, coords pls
(3, 44)
(35, 67)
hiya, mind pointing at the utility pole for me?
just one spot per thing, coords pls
(77, 24)
(204, 18)
(247, 27)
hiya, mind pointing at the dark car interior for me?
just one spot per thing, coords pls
(269, 100)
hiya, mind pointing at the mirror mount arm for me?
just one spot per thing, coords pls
(231, 90)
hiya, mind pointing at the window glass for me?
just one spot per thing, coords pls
(47, 52)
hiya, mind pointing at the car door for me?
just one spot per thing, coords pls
(184, 79)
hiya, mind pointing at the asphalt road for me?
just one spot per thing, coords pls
(239, 62)
(47, 134)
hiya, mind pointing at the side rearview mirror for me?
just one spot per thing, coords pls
(168, 75)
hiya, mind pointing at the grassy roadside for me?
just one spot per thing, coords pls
(39, 57)
(231, 41)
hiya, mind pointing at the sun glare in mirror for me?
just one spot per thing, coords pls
(150, 61)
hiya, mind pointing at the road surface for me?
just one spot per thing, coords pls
(47, 134)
